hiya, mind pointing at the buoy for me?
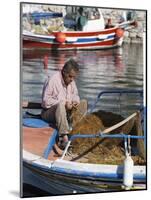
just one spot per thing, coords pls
(119, 32)
(128, 172)
(60, 37)
(45, 62)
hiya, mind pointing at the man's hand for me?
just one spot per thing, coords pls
(75, 104)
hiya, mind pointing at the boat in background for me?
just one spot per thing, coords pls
(85, 31)
(108, 38)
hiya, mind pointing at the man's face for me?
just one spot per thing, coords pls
(68, 77)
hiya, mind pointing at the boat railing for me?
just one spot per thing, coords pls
(120, 92)
(125, 137)
(104, 133)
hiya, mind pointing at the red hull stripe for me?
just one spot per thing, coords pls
(27, 44)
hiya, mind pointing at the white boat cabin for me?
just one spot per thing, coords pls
(83, 19)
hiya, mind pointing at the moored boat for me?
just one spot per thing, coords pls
(108, 38)
(47, 169)
(85, 31)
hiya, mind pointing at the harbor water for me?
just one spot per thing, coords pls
(119, 68)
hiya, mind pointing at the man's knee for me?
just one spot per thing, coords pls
(61, 107)
(61, 110)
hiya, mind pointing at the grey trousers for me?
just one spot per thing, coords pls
(58, 115)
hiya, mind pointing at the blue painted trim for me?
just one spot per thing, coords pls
(105, 136)
(94, 174)
(35, 123)
(121, 91)
(51, 143)
(39, 15)
(80, 40)
(118, 91)
(88, 175)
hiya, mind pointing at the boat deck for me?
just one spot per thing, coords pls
(35, 140)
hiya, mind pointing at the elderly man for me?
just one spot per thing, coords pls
(60, 97)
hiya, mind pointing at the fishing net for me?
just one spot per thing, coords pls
(105, 150)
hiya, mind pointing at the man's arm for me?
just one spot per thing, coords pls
(49, 97)
(75, 98)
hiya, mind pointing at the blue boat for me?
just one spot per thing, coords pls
(58, 175)
(39, 15)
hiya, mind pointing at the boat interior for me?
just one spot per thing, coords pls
(41, 138)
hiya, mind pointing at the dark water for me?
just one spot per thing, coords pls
(99, 70)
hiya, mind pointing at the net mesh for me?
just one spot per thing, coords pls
(105, 150)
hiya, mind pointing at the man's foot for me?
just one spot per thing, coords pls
(57, 150)
(63, 140)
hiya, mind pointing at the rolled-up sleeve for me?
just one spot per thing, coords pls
(49, 98)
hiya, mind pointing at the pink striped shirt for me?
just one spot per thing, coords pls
(55, 91)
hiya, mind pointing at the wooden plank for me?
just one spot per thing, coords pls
(31, 105)
(35, 140)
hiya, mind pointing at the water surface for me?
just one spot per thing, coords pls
(99, 70)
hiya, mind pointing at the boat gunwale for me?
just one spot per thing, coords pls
(88, 169)
(82, 33)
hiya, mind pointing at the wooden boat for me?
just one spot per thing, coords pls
(75, 40)
(92, 34)
(45, 167)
